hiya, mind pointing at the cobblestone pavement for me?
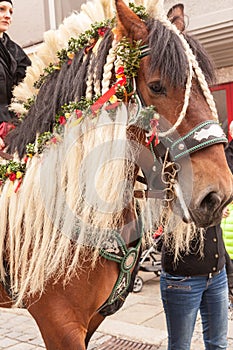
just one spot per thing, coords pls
(18, 331)
(141, 320)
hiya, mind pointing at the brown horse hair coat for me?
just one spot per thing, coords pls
(55, 209)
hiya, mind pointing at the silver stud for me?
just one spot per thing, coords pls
(181, 146)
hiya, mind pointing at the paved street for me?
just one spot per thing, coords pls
(141, 320)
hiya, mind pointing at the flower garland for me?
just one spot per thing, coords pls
(121, 91)
(86, 41)
(12, 170)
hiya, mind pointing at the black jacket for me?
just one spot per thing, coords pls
(13, 64)
(229, 155)
(215, 257)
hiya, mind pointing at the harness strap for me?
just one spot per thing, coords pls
(203, 135)
(141, 194)
(145, 51)
(115, 249)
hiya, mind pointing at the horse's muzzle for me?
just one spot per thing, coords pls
(209, 210)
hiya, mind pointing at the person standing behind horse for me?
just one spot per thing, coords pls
(227, 221)
(197, 283)
(13, 64)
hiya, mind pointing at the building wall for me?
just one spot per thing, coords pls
(195, 10)
(30, 21)
(32, 18)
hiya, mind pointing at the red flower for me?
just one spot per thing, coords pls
(12, 176)
(122, 81)
(62, 120)
(102, 31)
(154, 123)
(158, 232)
(78, 113)
(120, 70)
(112, 106)
(54, 139)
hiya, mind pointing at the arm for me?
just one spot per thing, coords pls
(229, 269)
(229, 264)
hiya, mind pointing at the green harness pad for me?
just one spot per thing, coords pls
(115, 249)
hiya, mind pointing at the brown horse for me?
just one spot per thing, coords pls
(71, 229)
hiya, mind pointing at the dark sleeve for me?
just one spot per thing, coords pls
(229, 264)
(229, 155)
(23, 62)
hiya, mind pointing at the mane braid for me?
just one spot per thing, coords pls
(103, 51)
(40, 118)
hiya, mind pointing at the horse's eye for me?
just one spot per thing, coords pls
(158, 88)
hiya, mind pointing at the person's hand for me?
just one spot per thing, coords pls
(226, 212)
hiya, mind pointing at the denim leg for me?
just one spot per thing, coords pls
(214, 312)
(181, 298)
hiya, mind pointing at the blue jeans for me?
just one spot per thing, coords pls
(183, 297)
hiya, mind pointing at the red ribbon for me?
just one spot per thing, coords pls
(18, 186)
(154, 123)
(108, 94)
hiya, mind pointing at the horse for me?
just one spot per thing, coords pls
(126, 101)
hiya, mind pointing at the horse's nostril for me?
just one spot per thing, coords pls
(211, 202)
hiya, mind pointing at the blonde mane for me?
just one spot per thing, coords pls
(72, 197)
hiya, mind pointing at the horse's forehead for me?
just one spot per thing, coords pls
(145, 72)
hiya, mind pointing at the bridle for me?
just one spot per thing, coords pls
(178, 147)
(203, 135)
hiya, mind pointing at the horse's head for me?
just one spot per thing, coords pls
(174, 78)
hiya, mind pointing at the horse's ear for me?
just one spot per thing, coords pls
(129, 24)
(176, 16)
